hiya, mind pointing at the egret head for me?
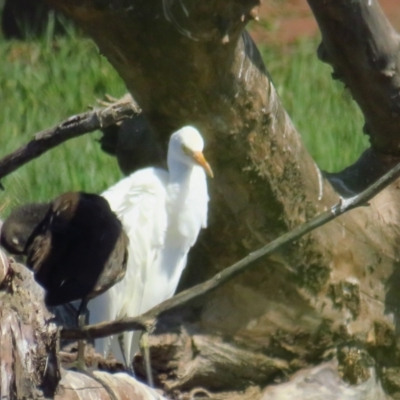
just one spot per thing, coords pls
(186, 146)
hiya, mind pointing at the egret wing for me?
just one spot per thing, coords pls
(187, 205)
(139, 202)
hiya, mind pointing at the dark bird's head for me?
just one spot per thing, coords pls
(21, 224)
(134, 143)
(80, 249)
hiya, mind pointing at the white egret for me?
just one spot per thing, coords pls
(162, 213)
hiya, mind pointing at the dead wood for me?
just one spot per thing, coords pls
(29, 366)
(363, 49)
(74, 126)
(28, 339)
(325, 383)
(192, 62)
(75, 385)
(148, 320)
(371, 70)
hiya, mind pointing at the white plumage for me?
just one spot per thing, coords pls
(162, 213)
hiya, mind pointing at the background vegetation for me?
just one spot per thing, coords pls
(44, 81)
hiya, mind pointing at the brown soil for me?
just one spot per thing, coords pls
(284, 21)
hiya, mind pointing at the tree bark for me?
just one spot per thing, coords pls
(29, 342)
(75, 385)
(332, 294)
(371, 71)
(28, 339)
(365, 57)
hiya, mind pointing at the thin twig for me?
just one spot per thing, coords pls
(74, 126)
(148, 319)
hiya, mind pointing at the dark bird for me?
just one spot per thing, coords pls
(134, 144)
(77, 250)
(18, 228)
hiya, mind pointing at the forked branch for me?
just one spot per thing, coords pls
(148, 319)
(363, 48)
(72, 127)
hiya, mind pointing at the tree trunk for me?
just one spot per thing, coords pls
(331, 295)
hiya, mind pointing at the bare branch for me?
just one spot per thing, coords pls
(74, 126)
(148, 319)
(363, 49)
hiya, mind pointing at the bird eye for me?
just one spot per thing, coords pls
(186, 150)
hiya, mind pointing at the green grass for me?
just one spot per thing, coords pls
(327, 118)
(43, 82)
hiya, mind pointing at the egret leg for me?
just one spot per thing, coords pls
(145, 348)
(81, 366)
(128, 366)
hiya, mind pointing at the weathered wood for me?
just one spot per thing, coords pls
(191, 62)
(147, 320)
(325, 383)
(363, 49)
(75, 385)
(28, 339)
(74, 126)
(29, 367)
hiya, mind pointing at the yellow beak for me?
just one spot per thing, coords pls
(200, 159)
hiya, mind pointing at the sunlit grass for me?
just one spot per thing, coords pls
(43, 82)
